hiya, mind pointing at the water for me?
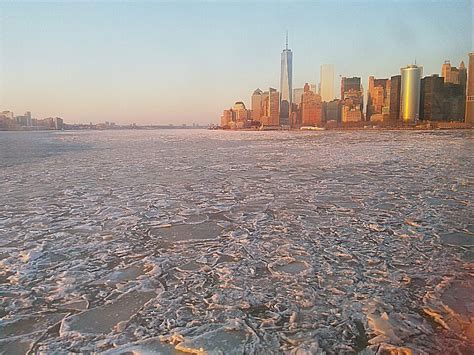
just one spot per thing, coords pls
(236, 242)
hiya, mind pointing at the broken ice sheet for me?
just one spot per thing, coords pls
(291, 233)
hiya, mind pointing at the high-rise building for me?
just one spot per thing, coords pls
(271, 108)
(257, 111)
(333, 110)
(469, 118)
(349, 84)
(311, 108)
(353, 99)
(326, 86)
(441, 100)
(297, 92)
(226, 119)
(240, 115)
(378, 99)
(352, 110)
(286, 83)
(237, 117)
(395, 94)
(449, 73)
(410, 93)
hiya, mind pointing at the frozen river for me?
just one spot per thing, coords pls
(239, 242)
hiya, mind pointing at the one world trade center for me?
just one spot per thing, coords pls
(286, 84)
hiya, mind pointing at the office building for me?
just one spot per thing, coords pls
(326, 85)
(297, 92)
(349, 84)
(311, 108)
(286, 83)
(395, 94)
(333, 111)
(378, 99)
(256, 102)
(441, 100)
(410, 93)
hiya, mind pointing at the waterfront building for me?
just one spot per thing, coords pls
(351, 111)
(240, 115)
(226, 119)
(349, 84)
(441, 100)
(271, 108)
(286, 83)
(257, 105)
(311, 108)
(449, 73)
(58, 123)
(352, 98)
(410, 93)
(25, 120)
(7, 114)
(469, 115)
(333, 111)
(378, 99)
(326, 84)
(236, 117)
(395, 94)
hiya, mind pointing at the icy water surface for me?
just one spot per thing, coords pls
(236, 242)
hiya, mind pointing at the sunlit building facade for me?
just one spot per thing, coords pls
(326, 86)
(410, 93)
(378, 99)
(257, 107)
(350, 84)
(271, 108)
(236, 117)
(311, 108)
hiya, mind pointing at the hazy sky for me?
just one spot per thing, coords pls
(186, 61)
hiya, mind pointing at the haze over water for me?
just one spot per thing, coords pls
(236, 241)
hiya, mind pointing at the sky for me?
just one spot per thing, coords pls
(154, 62)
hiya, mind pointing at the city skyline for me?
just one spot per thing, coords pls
(63, 69)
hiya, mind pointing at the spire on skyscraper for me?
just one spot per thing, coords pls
(286, 39)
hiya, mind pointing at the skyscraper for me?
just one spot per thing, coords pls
(441, 100)
(286, 83)
(311, 108)
(297, 92)
(327, 82)
(470, 91)
(378, 99)
(270, 108)
(353, 99)
(349, 84)
(449, 73)
(395, 88)
(257, 109)
(410, 93)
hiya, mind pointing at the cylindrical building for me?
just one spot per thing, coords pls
(410, 93)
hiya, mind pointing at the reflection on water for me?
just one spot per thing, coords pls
(166, 241)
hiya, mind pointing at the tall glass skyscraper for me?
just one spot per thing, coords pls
(286, 83)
